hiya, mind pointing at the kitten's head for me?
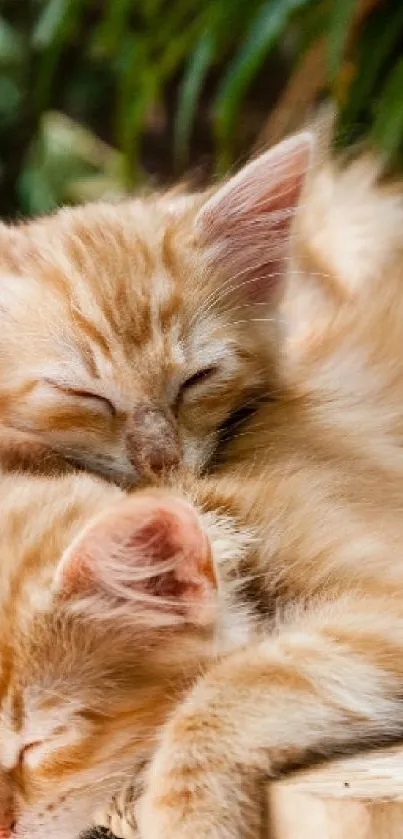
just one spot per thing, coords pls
(130, 333)
(97, 640)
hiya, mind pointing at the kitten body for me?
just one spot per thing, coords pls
(94, 649)
(316, 478)
(107, 600)
(291, 609)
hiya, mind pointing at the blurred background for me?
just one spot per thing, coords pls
(99, 97)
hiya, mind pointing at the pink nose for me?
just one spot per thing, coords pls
(152, 440)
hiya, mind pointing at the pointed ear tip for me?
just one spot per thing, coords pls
(149, 526)
(156, 500)
(296, 151)
(303, 142)
(140, 508)
(158, 507)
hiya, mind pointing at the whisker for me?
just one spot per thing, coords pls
(231, 285)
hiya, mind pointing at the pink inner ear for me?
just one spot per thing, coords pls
(246, 225)
(150, 549)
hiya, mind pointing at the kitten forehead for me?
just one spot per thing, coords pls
(208, 346)
(122, 310)
(12, 709)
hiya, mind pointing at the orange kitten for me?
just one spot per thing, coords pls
(106, 606)
(291, 608)
(130, 333)
(114, 354)
(314, 495)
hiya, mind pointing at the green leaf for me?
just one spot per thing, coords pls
(51, 36)
(176, 49)
(10, 101)
(311, 23)
(139, 83)
(35, 193)
(377, 42)
(111, 28)
(263, 35)
(341, 17)
(49, 22)
(191, 87)
(11, 47)
(388, 126)
(67, 163)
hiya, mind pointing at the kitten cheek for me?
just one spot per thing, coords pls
(204, 415)
(197, 450)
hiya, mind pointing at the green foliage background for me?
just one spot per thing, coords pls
(97, 96)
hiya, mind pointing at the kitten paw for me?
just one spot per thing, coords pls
(182, 802)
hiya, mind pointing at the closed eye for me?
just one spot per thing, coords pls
(102, 400)
(87, 395)
(28, 749)
(198, 378)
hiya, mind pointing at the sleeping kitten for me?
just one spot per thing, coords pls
(126, 341)
(281, 584)
(106, 606)
(107, 318)
(314, 495)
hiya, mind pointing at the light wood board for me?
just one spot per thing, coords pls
(358, 798)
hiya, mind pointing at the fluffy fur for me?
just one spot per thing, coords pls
(275, 592)
(109, 604)
(105, 617)
(128, 333)
(316, 478)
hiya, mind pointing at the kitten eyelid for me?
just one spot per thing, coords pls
(197, 378)
(84, 394)
(29, 747)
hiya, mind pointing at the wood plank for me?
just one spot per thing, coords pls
(358, 798)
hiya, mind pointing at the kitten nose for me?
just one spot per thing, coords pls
(152, 440)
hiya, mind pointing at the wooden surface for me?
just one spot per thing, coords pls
(358, 798)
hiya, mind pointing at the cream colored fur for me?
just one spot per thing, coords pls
(317, 476)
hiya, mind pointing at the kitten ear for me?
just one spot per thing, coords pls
(245, 226)
(147, 557)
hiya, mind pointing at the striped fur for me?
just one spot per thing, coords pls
(318, 480)
(106, 314)
(128, 333)
(105, 616)
(300, 654)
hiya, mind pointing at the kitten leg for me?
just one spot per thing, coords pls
(328, 682)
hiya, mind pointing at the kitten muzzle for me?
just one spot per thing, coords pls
(152, 441)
